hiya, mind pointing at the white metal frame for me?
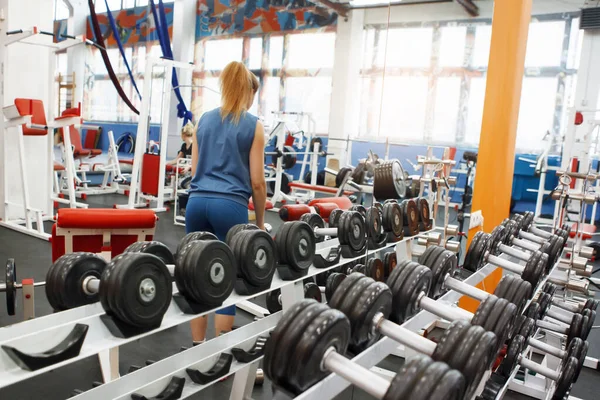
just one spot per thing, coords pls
(181, 163)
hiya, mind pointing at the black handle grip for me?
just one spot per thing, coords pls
(68, 348)
(64, 35)
(14, 32)
(47, 33)
(173, 391)
(219, 370)
(255, 352)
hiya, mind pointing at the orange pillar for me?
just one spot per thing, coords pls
(496, 159)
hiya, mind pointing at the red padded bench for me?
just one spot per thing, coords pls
(104, 231)
(316, 188)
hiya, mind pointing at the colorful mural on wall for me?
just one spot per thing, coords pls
(227, 17)
(135, 25)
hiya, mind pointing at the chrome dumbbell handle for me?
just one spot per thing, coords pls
(505, 264)
(531, 237)
(540, 232)
(525, 244)
(465, 288)
(540, 369)
(546, 348)
(551, 326)
(404, 336)
(516, 253)
(326, 231)
(574, 308)
(441, 310)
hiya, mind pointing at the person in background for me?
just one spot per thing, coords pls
(187, 136)
(227, 168)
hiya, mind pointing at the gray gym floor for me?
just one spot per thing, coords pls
(33, 257)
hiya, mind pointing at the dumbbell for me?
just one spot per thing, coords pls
(373, 268)
(367, 304)
(135, 288)
(311, 291)
(293, 212)
(295, 244)
(590, 304)
(10, 286)
(443, 264)
(577, 347)
(552, 246)
(579, 326)
(497, 246)
(563, 378)
(410, 214)
(548, 291)
(525, 222)
(425, 221)
(390, 259)
(480, 252)
(351, 229)
(309, 341)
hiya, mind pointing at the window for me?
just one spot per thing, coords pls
(219, 53)
(211, 97)
(271, 96)
(255, 53)
(311, 51)
(536, 114)
(447, 106)
(545, 44)
(481, 47)
(128, 3)
(452, 46)
(575, 42)
(475, 111)
(310, 95)
(276, 52)
(405, 47)
(403, 116)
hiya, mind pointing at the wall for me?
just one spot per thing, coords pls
(27, 75)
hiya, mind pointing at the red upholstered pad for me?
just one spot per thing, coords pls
(128, 161)
(171, 168)
(35, 108)
(81, 152)
(316, 188)
(342, 202)
(58, 166)
(95, 152)
(587, 231)
(268, 205)
(105, 218)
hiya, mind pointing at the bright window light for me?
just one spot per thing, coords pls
(219, 53)
(311, 50)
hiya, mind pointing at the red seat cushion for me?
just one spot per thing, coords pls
(128, 161)
(105, 218)
(58, 166)
(35, 108)
(342, 202)
(81, 152)
(268, 205)
(95, 152)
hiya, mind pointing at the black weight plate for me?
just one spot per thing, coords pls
(393, 277)
(54, 285)
(273, 301)
(191, 262)
(182, 276)
(585, 327)
(444, 265)
(334, 217)
(378, 206)
(286, 343)
(410, 212)
(518, 219)
(591, 314)
(301, 246)
(425, 222)
(481, 359)
(314, 221)
(503, 288)
(374, 269)
(72, 275)
(152, 247)
(141, 309)
(109, 278)
(358, 174)
(533, 311)
(405, 298)
(512, 229)
(190, 237)
(213, 271)
(360, 268)
(257, 260)
(428, 380)
(591, 304)
(549, 288)
(333, 281)
(504, 327)
(401, 307)
(511, 359)
(451, 386)
(496, 238)
(281, 240)
(328, 329)
(449, 340)
(403, 383)
(360, 209)
(389, 263)
(574, 347)
(375, 298)
(388, 180)
(337, 299)
(522, 295)
(312, 291)
(544, 301)
(232, 232)
(463, 351)
(475, 257)
(392, 219)
(430, 254)
(352, 296)
(354, 235)
(527, 220)
(581, 358)
(576, 327)
(11, 289)
(531, 272)
(567, 376)
(527, 327)
(484, 310)
(339, 178)
(373, 223)
(272, 349)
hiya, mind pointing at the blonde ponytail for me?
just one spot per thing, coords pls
(188, 130)
(238, 87)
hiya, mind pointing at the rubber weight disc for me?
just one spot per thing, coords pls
(410, 212)
(315, 222)
(256, 259)
(152, 247)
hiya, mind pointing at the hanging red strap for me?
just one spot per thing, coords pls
(111, 72)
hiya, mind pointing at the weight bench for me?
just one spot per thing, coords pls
(104, 231)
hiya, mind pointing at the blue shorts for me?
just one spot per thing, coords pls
(214, 215)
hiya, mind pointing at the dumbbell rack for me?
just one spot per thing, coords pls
(40, 334)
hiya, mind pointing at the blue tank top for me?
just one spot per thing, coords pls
(223, 169)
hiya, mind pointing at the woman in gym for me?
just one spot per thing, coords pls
(227, 168)
(187, 137)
